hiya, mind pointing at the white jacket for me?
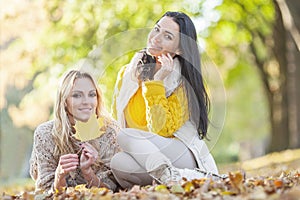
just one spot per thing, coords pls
(187, 133)
(189, 136)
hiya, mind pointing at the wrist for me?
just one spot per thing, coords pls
(59, 181)
(95, 181)
(59, 174)
(86, 171)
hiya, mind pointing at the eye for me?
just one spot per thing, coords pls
(156, 29)
(169, 37)
(76, 95)
(93, 94)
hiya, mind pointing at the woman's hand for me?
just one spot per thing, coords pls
(88, 157)
(167, 66)
(67, 163)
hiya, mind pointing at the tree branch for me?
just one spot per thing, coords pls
(288, 22)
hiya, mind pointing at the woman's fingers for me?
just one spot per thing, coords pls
(68, 168)
(89, 155)
(68, 163)
(166, 62)
(89, 150)
(167, 66)
(69, 158)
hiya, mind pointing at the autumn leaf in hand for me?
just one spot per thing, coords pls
(89, 130)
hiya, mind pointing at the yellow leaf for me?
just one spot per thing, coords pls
(188, 187)
(81, 187)
(177, 189)
(228, 193)
(96, 190)
(161, 188)
(89, 130)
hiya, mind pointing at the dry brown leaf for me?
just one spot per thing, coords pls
(278, 183)
(236, 179)
(286, 186)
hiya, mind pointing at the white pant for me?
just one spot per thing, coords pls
(144, 151)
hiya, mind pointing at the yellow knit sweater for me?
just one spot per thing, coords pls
(149, 109)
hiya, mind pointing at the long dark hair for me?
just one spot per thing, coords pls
(189, 59)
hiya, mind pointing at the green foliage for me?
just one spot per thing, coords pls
(238, 37)
(78, 28)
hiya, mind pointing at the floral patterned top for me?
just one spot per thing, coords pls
(43, 162)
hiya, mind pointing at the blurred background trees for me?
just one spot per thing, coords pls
(253, 44)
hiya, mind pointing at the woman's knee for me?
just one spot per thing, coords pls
(127, 138)
(116, 161)
(127, 171)
(131, 139)
(123, 162)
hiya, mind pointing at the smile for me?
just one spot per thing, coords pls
(155, 48)
(85, 109)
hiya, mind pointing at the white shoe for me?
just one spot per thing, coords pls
(166, 174)
(191, 174)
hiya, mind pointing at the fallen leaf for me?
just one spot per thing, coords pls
(236, 179)
(177, 189)
(188, 187)
(161, 188)
(278, 183)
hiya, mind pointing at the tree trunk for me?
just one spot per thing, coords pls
(285, 101)
(294, 70)
(297, 60)
(279, 98)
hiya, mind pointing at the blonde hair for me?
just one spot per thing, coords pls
(62, 129)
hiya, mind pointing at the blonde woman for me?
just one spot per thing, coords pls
(60, 160)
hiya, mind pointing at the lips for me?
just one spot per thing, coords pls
(155, 48)
(85, 109)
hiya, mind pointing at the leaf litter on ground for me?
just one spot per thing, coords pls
(239, 184)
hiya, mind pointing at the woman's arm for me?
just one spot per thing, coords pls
(43, 163)
(47, 170)
(88, 157)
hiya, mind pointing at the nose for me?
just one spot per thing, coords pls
(157, 37)
(85, 99)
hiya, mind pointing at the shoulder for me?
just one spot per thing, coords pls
(45, 127)
(44, 130)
